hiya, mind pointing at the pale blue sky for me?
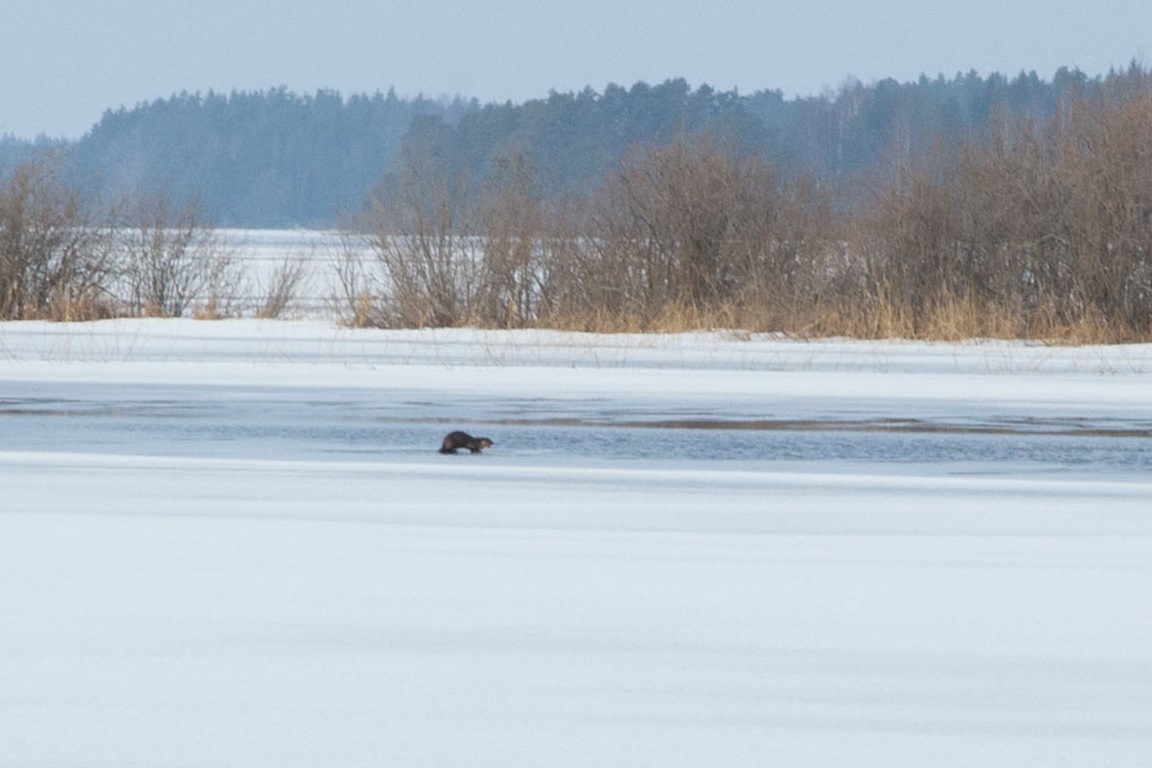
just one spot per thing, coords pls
(63, 62)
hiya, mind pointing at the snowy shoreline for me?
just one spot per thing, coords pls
(126, 340)
(747, 377)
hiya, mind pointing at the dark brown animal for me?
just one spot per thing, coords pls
(456, 440)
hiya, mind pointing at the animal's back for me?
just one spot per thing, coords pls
(454, 441)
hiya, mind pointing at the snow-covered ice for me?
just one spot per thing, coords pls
(232, 543)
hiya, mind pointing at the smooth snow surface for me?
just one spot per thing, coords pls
(233, 544)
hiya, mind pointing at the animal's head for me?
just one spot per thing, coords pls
(484, 442)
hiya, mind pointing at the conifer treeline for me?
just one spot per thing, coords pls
(270, 159)
(277, 158)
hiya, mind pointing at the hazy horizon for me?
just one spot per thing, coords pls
(66, 62)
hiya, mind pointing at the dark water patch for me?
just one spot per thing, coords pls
(1082, 427)
(48, 408)
(338, 424)
(993, 451)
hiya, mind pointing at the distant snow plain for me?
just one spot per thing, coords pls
(232, 543)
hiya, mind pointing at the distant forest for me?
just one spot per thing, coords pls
(970, 207)
(277, 158)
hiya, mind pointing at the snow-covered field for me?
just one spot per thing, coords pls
(233, 544)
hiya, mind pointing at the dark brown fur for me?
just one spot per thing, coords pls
(456, 440)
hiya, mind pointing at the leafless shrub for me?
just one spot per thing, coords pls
(171, 260)
(1044, 231)
(426, 244)
(357, 300)
(225, 282)
(1041, 231)
(693, 230)
(280, 290)
(55, 261)
(509, 290)
(1107, 159)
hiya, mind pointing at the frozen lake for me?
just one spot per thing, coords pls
(234, 544)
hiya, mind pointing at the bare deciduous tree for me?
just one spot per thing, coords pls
(427, 244)
(512, 225)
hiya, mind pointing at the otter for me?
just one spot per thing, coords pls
(455, 440)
